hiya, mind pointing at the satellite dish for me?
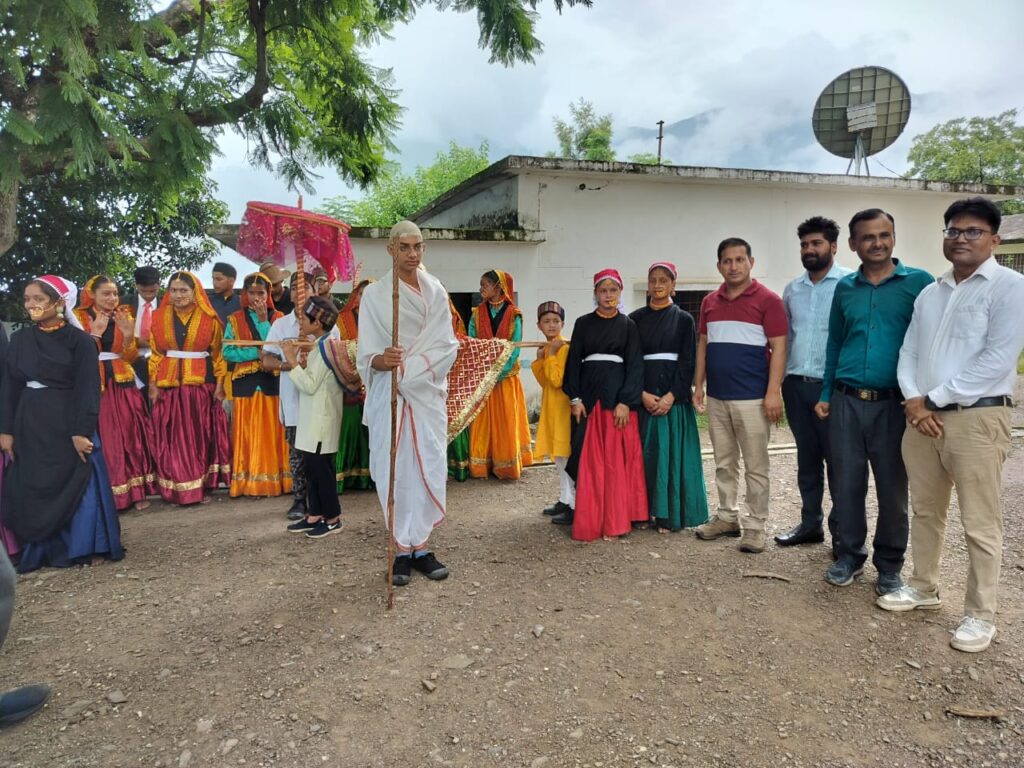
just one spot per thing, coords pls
(860, 113)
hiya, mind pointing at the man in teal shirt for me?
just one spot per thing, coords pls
(860, 396)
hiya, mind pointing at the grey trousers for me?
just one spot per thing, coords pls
(7, 582)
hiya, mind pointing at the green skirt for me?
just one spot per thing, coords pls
(458, 457)
(676, 495)
(352, 462)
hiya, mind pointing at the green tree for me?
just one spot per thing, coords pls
(396, 195)
(988, 150)
(80, 227)
(109, 85)
(648, 158)
(586, 135)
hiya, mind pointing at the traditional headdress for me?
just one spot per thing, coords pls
(507, 286)
(257, 277)
(550, 307)
(320, 310)
(668, 266)
(68, 292)
(608, 274)
(202, 300)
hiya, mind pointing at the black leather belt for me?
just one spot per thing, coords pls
(868, 394)
(983, 402)
(804, 379)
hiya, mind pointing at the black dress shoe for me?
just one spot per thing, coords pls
(557, 508)
(297, 510)
(802, 534)
(18, 704)
(564, 518)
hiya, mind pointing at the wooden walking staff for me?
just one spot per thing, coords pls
(394, 441)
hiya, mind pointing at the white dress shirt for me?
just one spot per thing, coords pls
(808, 306)
(154, 305)
(287, 327)
(964, 339)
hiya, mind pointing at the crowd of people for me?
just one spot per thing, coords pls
(106, 402)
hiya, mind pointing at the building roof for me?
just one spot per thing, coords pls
(1011, 230)
(227, 234)
(515, 165)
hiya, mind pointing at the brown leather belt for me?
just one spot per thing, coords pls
(869, 395)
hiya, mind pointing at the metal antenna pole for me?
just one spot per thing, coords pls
(661, 135)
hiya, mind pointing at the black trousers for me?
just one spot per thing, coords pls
(862, 434)
(322, 489)
(813, 453)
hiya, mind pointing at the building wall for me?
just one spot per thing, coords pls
(628, 222)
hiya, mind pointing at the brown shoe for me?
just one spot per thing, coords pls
(752, 542)
(716, 529)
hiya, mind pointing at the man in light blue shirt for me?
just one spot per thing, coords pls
(808, 301)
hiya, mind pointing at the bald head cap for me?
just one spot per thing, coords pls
(404, 229)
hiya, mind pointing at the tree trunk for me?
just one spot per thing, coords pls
(8, 218)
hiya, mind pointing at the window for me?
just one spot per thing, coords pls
(1014, 261)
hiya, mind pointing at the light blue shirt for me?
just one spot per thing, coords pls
(807, 310)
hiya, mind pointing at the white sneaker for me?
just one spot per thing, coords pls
(973, 635)
(908, 598)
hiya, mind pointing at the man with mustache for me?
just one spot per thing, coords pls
(860, 396)
(808, 299)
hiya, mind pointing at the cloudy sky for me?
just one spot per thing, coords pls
(752, 70)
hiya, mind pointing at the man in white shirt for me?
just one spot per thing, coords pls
(957, 369)
(426, 351)
(272, 358)
(144, 303)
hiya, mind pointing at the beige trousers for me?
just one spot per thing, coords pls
(740, 428)
(970, 456)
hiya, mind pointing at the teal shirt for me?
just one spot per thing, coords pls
(517, 335)
(866, 327)
(235, 354)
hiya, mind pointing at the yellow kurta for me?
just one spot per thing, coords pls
(553, 428)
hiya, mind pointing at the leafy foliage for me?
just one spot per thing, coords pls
(109, 86)
(586, 135)
(77, 228)
(396, 195)
(987, 150)
(648, 158)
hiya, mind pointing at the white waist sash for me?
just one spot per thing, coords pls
(662, 356)
(600, 358)
(109, 356)
(35, 385)
(183, 355)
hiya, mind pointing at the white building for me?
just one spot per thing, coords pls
(552, 223)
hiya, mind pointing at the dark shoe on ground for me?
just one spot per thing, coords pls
(297, 510)
(888, 581)
(430, 566)
(801, 534)
(402, 572)
(558, 508)
(19, 703)
(716, 528)
(302, 526)
(842, 573)
(324, 528)
(564, 518)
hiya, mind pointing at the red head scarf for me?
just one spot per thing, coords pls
(68, 292)
(608, 274)
(668, 266)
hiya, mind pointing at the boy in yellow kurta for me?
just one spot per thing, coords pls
(553, 429)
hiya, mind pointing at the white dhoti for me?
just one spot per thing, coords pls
(421, 464)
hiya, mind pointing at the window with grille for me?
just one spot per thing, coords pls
(1014, 261)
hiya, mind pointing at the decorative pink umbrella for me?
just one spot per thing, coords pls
(285, 235)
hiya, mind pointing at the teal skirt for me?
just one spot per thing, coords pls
(676, 494)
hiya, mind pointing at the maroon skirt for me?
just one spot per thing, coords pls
(611, 492)
(191, 446)
(126, 435)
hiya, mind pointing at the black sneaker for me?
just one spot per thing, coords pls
(323, 528)
(564, 518)
(297, 511)
(888, 581)
(403, 571)
(430, 566)
(842, 573)
(302, 526)
(556, 509)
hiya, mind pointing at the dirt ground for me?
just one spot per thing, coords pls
(221, 640)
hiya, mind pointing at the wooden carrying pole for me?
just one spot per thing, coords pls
(394, 441)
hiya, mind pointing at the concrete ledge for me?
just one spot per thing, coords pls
(227, 234)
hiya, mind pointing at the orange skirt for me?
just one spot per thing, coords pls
(260, 465)
(499, 437)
